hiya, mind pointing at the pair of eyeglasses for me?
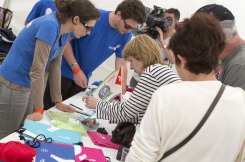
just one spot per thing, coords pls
(126, 26)
(88, 28)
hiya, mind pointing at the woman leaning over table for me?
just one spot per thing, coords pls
(36, 52)
(145, 59)
(196, 45)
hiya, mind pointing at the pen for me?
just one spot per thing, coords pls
(82, 113)
(76, 107)
(89, 93)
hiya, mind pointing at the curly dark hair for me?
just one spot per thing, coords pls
(200, 40)
(132, 9)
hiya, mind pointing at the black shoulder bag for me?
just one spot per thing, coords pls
(198, 127)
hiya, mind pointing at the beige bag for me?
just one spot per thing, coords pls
(241, 153)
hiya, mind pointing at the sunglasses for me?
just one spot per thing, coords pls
(126, 26)
(88, 28)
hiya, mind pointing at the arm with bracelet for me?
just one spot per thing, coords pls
(78, 75)
(37, 75)
(55, 84)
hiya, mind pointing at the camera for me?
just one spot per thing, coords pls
(156, 18)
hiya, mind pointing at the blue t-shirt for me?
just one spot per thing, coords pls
(16, 66)
(42, 7)
(92, 50)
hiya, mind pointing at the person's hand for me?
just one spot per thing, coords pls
(80, 79)
(64, 107)
(160, 35)
(144, 30)
(90, 101)
(36, 116)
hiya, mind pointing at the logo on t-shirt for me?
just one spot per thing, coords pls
(48, 11)
(115, 48)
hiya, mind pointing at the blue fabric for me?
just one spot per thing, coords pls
(57, 134)
(40, 8)
(16, 66)
(54, 152)
(92, 50)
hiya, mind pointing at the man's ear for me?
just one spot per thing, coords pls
(76, 20)
(182, 61)
(118, 14)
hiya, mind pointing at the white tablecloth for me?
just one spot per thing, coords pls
(86, 140)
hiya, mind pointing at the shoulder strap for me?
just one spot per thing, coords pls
(200, 124)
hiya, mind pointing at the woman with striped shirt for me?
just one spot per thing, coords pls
(145, 59)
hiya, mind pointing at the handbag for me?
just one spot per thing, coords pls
(123, 133)
(5, 17)
(198, 127)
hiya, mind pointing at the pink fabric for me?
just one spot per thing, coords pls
(102, 140)
(92, 154)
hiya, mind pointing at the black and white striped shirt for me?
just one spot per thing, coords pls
(134, 108)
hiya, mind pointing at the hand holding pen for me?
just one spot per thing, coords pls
(90, 101)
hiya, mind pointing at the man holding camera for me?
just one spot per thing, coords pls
(161, 34)
(166, 33)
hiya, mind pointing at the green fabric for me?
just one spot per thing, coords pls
(61, 120)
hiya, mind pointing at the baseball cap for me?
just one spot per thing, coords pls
(219, 11)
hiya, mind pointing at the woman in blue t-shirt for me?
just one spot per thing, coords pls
(37, 52)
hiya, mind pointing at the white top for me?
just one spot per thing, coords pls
(174, 112)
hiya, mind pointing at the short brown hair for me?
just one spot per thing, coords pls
(84, 9)
(175, 12)
(145, 49)
(132, 9)
(200, 40)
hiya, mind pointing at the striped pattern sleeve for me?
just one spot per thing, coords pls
(134, 108)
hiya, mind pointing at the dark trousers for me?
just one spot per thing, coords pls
(68, 89)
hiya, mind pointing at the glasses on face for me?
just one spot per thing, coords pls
(126, 26)
(88, 28)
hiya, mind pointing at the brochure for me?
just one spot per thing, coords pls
(112, 86)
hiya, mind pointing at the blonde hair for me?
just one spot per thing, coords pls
(145, 49)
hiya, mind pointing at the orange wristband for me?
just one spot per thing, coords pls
(41, 111)
(75, 71)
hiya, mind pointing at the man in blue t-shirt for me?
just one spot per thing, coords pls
(42, 7)
(82, 56)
